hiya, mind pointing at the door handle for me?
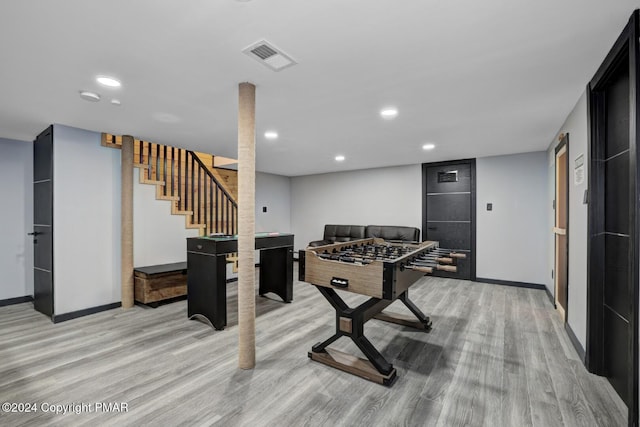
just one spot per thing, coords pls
(35, 233)
(432, 228)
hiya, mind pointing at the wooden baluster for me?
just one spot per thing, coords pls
(201, 193)
(194, 191)
(149, 164)
(143, 155)
(157, 163)
(207, 203)
(215, 213)
(212, 203)
(168, 161)
(173, 172)
(187, 194)
(198, 190)
(180, 196)
(226, 202)
(183, 169)
(164, 168)
(189, 184)
(203, 208)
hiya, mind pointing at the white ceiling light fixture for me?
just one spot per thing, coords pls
(89, 96)
(270, 134)
(340, 158)
(116, 102)
(428, 146)
(268, 55)
(108, 81)
(389, 113)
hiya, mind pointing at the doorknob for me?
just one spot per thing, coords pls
(35, 233)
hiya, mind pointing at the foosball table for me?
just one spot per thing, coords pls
(382, 270)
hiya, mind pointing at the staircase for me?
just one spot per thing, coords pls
(197, 191)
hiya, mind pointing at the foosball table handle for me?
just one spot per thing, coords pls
(426, 270)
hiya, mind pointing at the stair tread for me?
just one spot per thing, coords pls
(196, 225)
(151, 181)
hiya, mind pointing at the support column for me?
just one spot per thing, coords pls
(126, 224)
(246, 226)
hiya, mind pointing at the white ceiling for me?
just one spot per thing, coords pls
(476, 78)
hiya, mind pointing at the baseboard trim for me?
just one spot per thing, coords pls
(510, 283)
(17, 300)
(551, 298)
(575, 342)
(57, 318)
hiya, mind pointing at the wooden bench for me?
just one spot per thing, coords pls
(160, 282)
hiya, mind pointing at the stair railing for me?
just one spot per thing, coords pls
(225, 209)
(190, 185)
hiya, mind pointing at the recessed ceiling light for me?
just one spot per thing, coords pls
(428, 146)
(339, 158)
(389, 113)
(89, 96)
(271, 134)
(115, 102)
(108, 81)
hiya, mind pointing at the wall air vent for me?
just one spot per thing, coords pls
(269, 55)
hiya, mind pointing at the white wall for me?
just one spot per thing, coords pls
(86, 219)
(511, 238)
(274, 193)
(384, 196)
(158, 236)
(16, 219)
(577, 127)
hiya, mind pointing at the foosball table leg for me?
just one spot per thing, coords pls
(423, 322)
(350, 323)
(319, 347)
(415, 310)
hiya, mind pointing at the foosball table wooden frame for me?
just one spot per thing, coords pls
(348, 267)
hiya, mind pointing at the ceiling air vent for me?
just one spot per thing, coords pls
(269, 55)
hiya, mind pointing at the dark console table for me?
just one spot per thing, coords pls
(207, 272)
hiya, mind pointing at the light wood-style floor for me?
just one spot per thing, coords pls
(497, 356)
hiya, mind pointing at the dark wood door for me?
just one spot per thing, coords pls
(612, 291)
(43, 222)
(449, 210)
